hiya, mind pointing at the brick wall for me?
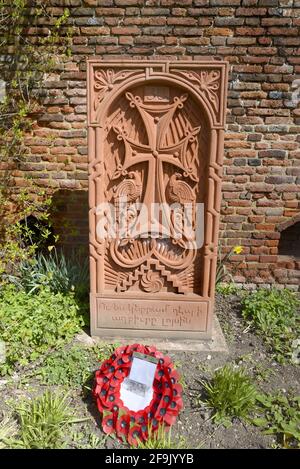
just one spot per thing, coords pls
(261, 41)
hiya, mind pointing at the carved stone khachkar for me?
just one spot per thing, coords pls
(155, 168)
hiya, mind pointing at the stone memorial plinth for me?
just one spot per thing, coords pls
(155, 168)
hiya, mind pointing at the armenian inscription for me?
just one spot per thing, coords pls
(145, 314)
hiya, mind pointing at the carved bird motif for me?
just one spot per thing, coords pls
(128, 192)
(129, 189)
(179, 191)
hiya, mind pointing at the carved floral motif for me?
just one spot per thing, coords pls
(105, 80)
(207, 83)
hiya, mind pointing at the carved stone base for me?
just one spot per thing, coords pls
(215, 344)
(155, 317)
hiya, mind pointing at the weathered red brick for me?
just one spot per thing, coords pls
(94, 30)
(251, 11)
(129, 30)
(247, 31)
(262, 164)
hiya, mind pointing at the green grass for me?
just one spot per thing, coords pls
(229, 393)
(31, 325)
(161, 439)
(274, 315)
(44, 422)
(8, 429)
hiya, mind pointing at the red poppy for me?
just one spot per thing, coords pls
(134, 435)
(177, 391)
(163, 408)
(108, 424)
(152, 351)
(122, 425)
(164, 361)
(172, 412)
(120, 374)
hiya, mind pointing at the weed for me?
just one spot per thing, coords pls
(281, 417)
(178, 367)
(104, 350)
(222, 273)
(8, 429)
(227, 330)
(70, 368)
(259, 371)
(245, 358)
(85, 440)
(227, 289)
(44, 422)
(30, 325)
(204, 368)
(73, 367)
(262, 373)
(161, 439)
(230, 394)
(94, 442)
(273, 313)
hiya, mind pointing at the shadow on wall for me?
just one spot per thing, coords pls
(289, 243)
(69, 216)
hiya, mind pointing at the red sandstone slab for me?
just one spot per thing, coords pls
(155, 140)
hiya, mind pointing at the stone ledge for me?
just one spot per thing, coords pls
(217, 344)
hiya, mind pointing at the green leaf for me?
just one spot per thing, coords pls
(259, 422)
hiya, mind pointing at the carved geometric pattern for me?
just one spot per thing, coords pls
(152, 283)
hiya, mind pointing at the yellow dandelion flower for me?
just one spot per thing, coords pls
(238, 249)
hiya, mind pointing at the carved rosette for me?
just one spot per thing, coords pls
(151, 282)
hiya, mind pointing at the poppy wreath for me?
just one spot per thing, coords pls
(163, 409)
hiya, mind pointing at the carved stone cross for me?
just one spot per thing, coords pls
(156, 121)
(155, 138)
